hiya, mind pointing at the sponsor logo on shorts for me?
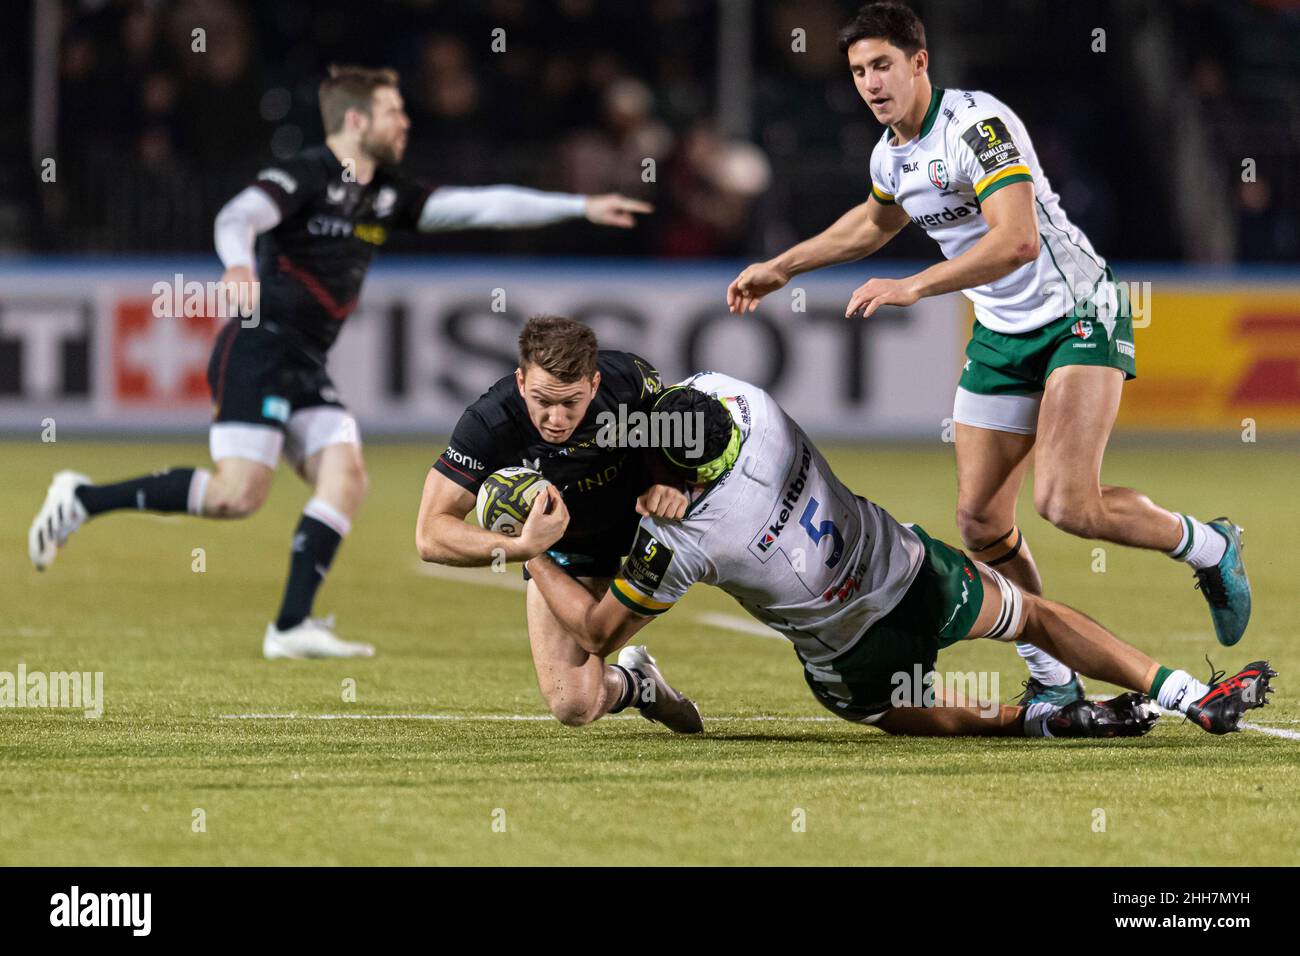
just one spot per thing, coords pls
(275, 408)
(1082, 328)
(1125, 348)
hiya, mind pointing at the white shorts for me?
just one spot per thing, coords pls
(307, 432)
(1003, 413)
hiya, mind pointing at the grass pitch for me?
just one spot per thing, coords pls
(488, 779)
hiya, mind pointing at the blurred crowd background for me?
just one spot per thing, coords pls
(1145, 139)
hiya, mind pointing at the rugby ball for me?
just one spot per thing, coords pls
(506, 497)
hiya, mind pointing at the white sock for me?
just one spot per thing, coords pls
(1043, 667)
(1200, 546)
(198, 488)
(1180, 689)
(1036, 717)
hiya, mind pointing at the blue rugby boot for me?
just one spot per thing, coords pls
(1036, 692)
(1226, 588)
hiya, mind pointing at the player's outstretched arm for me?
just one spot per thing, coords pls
(515, 207)
(443, 537)
(1012, 241)
(856, 234)
(600, 627)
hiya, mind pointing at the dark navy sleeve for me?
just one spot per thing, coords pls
(471, 455)
(291, 183)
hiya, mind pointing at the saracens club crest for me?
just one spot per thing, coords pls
(1082, 328)
(938, 173)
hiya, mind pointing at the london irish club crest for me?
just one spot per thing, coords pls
(939, 173)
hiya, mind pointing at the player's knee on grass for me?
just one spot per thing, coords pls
(574, 707)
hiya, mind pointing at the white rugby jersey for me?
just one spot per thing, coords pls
(779, 533)
(970, 146)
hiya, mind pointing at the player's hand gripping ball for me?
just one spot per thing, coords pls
(506, 497)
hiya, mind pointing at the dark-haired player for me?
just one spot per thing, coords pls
(1053, 340)
(867, 602)
(313, 224)
(552, 415)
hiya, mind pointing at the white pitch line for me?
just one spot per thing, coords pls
(514, 582)
(1271, 731)
(507, 717)
(737, 718)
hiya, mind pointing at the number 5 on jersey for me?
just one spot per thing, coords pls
(827, 527)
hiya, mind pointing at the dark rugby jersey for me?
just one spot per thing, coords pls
(312, 264)
(599, 484)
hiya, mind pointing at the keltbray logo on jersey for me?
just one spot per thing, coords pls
(991, 144)
(938, 173)
(796, 481)
(648, 562)
(1082, 328)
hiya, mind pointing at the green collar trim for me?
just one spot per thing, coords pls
(718, 467)
(931, 114)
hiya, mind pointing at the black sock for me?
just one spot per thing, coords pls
(631, 681)
(314, 545)
(161, 491)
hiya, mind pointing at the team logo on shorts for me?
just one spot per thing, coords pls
(938, 173)
(275, 408)
(1082, 328)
